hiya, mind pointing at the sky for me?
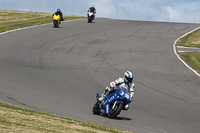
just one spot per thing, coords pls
(184, 11)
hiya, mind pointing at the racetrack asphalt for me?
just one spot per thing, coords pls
(60, 70)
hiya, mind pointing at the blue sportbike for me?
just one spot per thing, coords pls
(112, 104)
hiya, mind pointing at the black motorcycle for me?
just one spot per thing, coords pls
(90, 16)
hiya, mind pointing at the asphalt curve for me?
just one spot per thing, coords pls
(60, 70)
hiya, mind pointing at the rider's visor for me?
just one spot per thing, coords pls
(129, 79)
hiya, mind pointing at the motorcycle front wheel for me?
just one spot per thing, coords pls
(114, 112)
(55, 23)
(89, 20)
(96, 109)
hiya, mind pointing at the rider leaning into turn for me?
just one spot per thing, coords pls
(126, 82)
(58, 12)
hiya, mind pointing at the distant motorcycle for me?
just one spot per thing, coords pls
(56, 20)
(90, 16)
(112, 104)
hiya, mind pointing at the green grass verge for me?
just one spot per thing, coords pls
(190, 40)
(10, 19)
(17, 119)
(192, 59)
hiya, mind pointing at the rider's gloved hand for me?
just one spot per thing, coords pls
(101, 99)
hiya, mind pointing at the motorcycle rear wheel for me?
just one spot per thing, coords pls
(114, 112)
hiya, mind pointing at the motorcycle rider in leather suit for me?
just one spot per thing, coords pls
(126, 82)
(58, 12)
(92, 9)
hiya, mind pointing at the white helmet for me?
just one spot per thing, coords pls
(128, 77)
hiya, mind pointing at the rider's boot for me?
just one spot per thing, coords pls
(106, 92)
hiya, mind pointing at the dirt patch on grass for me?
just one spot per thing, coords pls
(196, 41)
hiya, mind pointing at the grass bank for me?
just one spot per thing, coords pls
(10, 19)
(192, 59)
(190, 40)
(17, 119)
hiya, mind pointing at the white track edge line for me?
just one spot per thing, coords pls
(183, 51)
(174, 46)
(186, 47)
